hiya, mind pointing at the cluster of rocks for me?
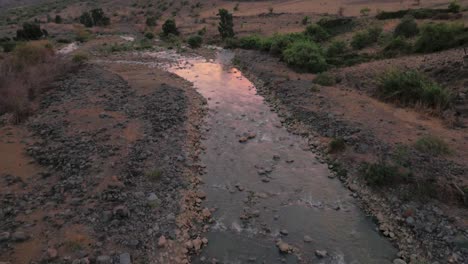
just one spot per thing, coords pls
(125, 194)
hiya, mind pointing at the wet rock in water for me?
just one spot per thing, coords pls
(162, 242)
(125, 258)
(307, 239)
(19, 236)
(399, 261)
(284, 232)
(283, 247)
(321, 253)
(103, 260)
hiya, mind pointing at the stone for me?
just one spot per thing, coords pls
(206, 213)
(121, 211)
(283, 247)
(197, 244)
(321, 253)
(51, 254)
(162, 241)
(19, 236)
(104, 260)
(5, 236)
(284, 232)
(307, 239)
(399, 261)
(125, 258)
(243, 139)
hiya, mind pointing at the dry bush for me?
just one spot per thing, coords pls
(26, 73)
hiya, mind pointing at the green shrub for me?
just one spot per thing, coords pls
(366, 38)
(226, 24)
(305, 56)
(336, 145)
(326, 79)
(154, 175)
(170, 27)
(195, 41)
(454, 7)
(365, 11)
(338, 25)
(86, 19)
(149, 35)
(8, 46)
(279, 42)
(30, 31)
(381, 174)
(397, 46)
(99, 18)
(336, 48)
(80, 58)
(58, 19)
(407, 27)
(305, 20)
(432, 145)
(437, 37)
(317, 33)
(410, 87)
(151, 21)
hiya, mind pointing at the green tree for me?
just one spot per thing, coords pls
(58, 19)
(170, 27)
(226, 24)
(30, 31)
(86, 19)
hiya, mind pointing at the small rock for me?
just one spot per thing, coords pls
(19, 236)
(206, 213)
(399, 261)
(4, 236)
(197, 243)
(103, 260)
(321, 253)
(162, 242)
(307, 239)
(284, 247)
(125, 258)
(121, 211)
(284, 232)
(243, 139)
(52, 254)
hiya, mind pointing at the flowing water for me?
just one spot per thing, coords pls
(269, 188)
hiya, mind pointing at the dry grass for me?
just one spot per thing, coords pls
(26, 73)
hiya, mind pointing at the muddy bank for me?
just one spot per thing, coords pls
(112, 172)
(420, 226)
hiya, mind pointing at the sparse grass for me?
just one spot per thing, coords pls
(381, 174)
(397, 46)
(26, 73)
(325, 79)
(80, 58)
(154, 175)
(410, 87)
(401, 156)
(432, 145)
(195, 41)
(366, 38)
(73, 246)
(336, 145)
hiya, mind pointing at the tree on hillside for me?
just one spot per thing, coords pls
(58, 19)
(95, 17)
(170, 27)
(30, 31)
(226, 25)
(86, 19)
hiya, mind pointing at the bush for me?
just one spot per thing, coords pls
(30, 31)
(80, 58)
(336, 48)
(305, 56)
(336, 145)
(226, 24)
(437, 37)
(397, 46)
(365, 11)
(82, 35)
(86, 19)
(195, 41)
(170, 27)
(58, 19)
(336, 25)
(381, 174)
(8, 46)
(279, 42)
(151, 21)
(366, 38)
(454, 7)
(407, 27)
(95, 17)
(149, 35)
(317, 33)
(432, 145)
(325, 79)
(410, 87)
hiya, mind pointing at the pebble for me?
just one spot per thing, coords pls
(4, 236)
(307, 239)
(103, 260)
(284, 232)
(125, 258)
(19, 236)
(284, 247)
(52, 254)
(162, 241)
(399, 261)
(321, 253)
